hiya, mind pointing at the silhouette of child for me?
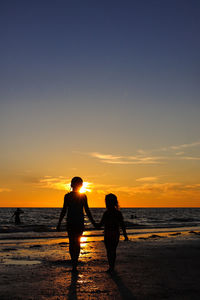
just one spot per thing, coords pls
(112, 220)
(74, 204)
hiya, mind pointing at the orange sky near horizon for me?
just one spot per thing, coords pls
(26, 190)
(163, 177)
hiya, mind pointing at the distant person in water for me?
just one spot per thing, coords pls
(112, 220)
(17, 214)
(74, 204)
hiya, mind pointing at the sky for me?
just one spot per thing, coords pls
(105, 90)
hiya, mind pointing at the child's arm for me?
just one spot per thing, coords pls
(62, 214)
(123, 227)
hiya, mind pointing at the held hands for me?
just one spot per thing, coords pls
(96, 225)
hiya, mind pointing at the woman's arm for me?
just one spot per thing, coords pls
(62, 214)
(88, 212)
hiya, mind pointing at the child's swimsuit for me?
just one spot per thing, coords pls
(112, 220)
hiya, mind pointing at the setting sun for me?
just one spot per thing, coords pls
(85, 187)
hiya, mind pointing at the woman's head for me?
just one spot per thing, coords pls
(76, 183)
(111, 201)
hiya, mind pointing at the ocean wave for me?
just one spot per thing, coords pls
(183, 219)
(26, 228)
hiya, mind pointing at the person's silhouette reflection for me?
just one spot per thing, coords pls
(124, 291)
(72, 295)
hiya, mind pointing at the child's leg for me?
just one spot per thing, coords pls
(74, 248)
(111, 255)
(111, 247)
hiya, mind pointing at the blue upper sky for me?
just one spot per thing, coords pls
(134, 61)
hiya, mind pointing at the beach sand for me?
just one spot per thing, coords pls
(153, 266)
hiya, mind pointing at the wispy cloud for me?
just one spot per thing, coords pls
(4, 190)
(148, 188)
(60, 183)
(143, 157)
(56, 183)
(105, 156)
(165, 189)
(147, 179)
(180, 153)
(190, 158)
(182, 146)
(172, 147)
(126, 160)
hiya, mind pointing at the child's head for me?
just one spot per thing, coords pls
(111, 201)
(76, 183)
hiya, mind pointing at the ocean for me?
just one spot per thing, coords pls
(40, 221)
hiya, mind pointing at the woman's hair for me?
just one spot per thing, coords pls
(76, 181)
(111, 201)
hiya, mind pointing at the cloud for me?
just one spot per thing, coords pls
(173, 147)
(60, 183)
(147, 157)
(2, 190)
(126, 160)
(56, 183)
(149, 188)
(190, 158)
(109, 157)
(180, 153)
(146, 179)
(185, 146)
(167, 189)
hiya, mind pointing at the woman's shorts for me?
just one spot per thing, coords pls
(75, 230)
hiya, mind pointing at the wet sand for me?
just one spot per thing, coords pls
(155, 266)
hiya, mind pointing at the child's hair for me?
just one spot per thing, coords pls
(76, 181)
(111, 201)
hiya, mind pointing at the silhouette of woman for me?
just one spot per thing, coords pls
(74, 204)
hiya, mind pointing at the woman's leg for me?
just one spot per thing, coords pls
(74, 248)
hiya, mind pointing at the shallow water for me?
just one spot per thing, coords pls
(44, 220)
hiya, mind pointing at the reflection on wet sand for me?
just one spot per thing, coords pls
(72, 294)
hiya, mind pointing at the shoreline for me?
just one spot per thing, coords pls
(132, 232)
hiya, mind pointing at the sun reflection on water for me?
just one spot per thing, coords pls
(83, 241)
